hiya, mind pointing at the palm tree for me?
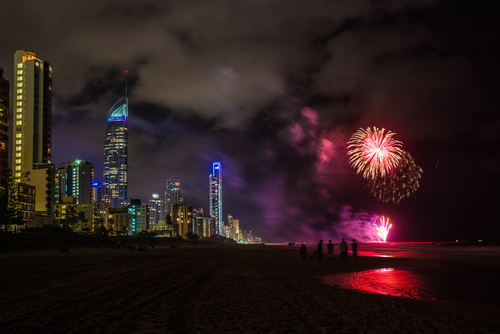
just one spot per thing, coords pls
(71, 217)
(83, 217)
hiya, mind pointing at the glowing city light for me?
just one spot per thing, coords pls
(383, 228)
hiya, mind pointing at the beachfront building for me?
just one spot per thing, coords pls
(173, 194)
(118, 222)
(139, 217)
(75, 178)
(116, 153)
(182, 219)
(4, 127)
(26, 203)
(198, 221)
(215, 187)
(70, 211)
(156, 210)
(32, 127)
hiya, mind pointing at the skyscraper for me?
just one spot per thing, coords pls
(75, 179)
(32, 127)
(115, 153)
(173, 194)
(215, 181)
(156, 210)
(4, 126)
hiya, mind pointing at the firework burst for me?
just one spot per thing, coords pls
(373, 152)
(400, 184)
(383, 228)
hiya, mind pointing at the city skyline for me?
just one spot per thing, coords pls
(274, 91)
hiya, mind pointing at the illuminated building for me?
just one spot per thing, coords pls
(118, 220)
(173, 193)
(215, 180)
(32, 127)
(233, 227)
(4, 127)
(87, 209)
(198, 222)
(115, 153)
(182, 219)
(75, 178)
(156, 210)
(139, 217)
(102, 194)
(26, 203)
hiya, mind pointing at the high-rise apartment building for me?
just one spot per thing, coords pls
(182, 218)
(75, 178)
(173, 194)
(215, 181)
(156, 210)
(32, 127)
(116, 152)
(139, 217)
(4, 127)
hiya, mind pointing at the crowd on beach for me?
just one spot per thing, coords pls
(318, 252)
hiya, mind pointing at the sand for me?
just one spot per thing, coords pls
(202, 289)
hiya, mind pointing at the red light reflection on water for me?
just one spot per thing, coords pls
(386, 281)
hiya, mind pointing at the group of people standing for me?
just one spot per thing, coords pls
(318, 253)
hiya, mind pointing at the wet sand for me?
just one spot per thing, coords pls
(229, 289)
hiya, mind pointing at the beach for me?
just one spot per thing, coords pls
(212, 289)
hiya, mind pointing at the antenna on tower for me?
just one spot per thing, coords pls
(126, 84)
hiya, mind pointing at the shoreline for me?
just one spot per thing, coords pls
(211, 289)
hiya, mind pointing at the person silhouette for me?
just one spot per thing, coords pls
(343, 251)
(320, 250)
(354, 248)
(329, 248)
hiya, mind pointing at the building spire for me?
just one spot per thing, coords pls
(126, 85)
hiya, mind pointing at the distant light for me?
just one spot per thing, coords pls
(95, 184)
(480, 240)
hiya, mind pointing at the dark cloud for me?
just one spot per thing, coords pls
(229, 80)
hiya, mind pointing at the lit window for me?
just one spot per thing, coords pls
(19, 122)
(37, 63)
(19, 141)
(19, 109)
(19, 84)
(19, 71)
(20, 65)
(19, 116)
(19, 135)
(18, 174)
(19, 91)
(18, 161)
(18, 154)
(19, 103)
(18, 167)
(19, 78)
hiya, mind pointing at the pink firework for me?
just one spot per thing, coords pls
(383, 228)
(374, 152)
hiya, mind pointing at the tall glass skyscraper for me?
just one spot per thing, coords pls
(215, 180)
(115, 153)
(173, 194)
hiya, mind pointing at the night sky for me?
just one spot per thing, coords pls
(273, 90)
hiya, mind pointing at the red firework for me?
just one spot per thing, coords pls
(374, 152)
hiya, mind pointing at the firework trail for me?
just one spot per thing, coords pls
(383, 228)
(374, 153)
(400, 184)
